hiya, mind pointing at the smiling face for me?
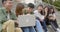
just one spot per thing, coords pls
(8, 4)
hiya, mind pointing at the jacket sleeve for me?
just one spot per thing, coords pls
(2, 16)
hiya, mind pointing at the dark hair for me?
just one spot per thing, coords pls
(19, 9)
(42, 12)
(51, 7)
(5, 0)
(40, 5)
(49, 10)
(31, 5)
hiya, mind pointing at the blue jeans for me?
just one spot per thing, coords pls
(38, 26)
(44, 26)
(28, 29)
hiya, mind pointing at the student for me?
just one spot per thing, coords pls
(39, 13)
(28, 11)
(6, 16)
(51, 18)
(46, 9)
(19, 11)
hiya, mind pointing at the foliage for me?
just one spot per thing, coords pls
(55, 3)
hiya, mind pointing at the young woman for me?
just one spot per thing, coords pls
(39, 13)
(51, 17)
(46, 9)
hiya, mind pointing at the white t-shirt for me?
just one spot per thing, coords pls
(37, 14)
(8, 16)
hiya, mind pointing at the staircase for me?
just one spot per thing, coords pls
(58, 17)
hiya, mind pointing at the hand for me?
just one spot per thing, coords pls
(51, 18)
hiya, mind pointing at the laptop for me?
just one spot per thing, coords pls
(26, 20)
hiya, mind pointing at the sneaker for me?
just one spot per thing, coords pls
(58, 30)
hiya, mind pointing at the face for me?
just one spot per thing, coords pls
(51, 10)
(46, 9)
(8, 4)
(40, 8)
(29, 9)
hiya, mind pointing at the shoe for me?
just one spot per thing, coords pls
(58, 30)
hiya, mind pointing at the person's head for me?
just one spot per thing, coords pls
(19, 9)
(52, 9)
(40, 8)
(7, 4)
(30, 7)
(46, 8)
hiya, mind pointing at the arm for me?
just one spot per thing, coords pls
(53, 17)
(2, 16)
(39, 16)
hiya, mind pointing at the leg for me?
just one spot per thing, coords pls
(44, 26)
(18, 30)
(53, 26)
(55, 23)
(25, 29)
(38, 26)
(8, 26)
(31, 29)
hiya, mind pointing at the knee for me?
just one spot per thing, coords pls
(18, 29)
(7, 23)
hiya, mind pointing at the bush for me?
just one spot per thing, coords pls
(57, 4)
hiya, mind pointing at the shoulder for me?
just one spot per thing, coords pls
(2, 8)
(35, 11)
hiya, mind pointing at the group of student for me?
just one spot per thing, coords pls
(44, 16)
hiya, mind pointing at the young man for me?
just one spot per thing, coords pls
(6, 16)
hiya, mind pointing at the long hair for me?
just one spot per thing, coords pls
(49, 10)
(42, 11)
(51, 7)
(19, 9)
